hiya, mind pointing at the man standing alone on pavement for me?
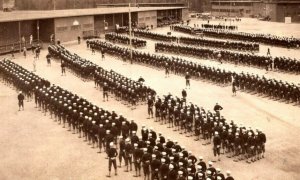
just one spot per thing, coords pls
(21, 100)
(187, 80)
(63, 68)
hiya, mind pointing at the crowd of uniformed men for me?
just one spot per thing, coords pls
(123, 88)
(174, 65)
(158, 157)
(288, 42)
(238, 46)
(118, 38)
(79, 66)
(288, 92)
(277, 63)
(241, 46)
(21, 79)
(237, 141)
(161, 158)
(154, 36)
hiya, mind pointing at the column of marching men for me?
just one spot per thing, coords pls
(238, 141)
(157, 156)
(174, 65)
(198, 41)
(283, 64)
(288, 42)
(183, 29)
(219, 27)
(118, 38)
(239, 46)
(21, 79)
(250, 83)
(123, 88)
(155, 36)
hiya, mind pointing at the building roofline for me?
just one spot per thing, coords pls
(50, 14)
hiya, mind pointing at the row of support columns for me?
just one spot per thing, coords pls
(20, 33)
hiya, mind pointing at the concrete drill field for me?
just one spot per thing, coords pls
(33, 146)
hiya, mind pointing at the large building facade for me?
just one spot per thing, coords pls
(87, 4)
(199, 6)
(276, 10)
(67, 22)
(237, 8)
(283, 10)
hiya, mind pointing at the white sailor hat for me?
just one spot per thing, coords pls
(200, 174)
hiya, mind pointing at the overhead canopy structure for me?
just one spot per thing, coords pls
(33, 15)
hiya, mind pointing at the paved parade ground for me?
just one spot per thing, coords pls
(33, 146)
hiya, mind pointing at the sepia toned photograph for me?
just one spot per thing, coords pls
(150, 89)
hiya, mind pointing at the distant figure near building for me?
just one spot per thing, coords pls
(48, 57)
(52, 39)
(37, 52)
(21, 98)
(12, 52)
(79, 39)
(23, 41)
(24, 52)
(31, 39)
